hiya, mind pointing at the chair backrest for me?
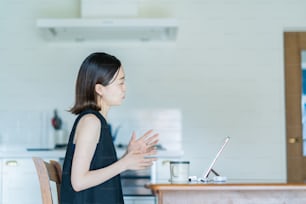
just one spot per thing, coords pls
(48, 171)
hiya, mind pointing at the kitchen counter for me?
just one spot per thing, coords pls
(225, 193)
(23, 152)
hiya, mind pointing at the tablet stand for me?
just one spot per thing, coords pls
(211, 170)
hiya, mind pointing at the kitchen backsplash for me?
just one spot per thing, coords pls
(166, 122)
(34, 129)
(26, 128)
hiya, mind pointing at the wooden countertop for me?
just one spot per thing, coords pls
(225, 186)
(229, 193)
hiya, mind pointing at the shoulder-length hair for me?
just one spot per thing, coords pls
(97, 68)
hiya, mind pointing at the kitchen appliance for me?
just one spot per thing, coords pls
(105, 20)
(133, 186)
(137, 29)
(60, 135)
(133, 182)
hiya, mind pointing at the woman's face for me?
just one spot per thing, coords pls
(114, 93)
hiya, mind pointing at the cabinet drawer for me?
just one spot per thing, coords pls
(20, 181)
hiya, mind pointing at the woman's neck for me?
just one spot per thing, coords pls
(104, 111)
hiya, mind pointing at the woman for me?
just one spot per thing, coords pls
(91, 170)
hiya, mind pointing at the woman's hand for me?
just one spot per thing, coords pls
(145, 144)
(135, 160)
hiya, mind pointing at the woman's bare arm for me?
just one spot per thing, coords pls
(86, 139)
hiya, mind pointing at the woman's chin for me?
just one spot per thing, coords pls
(117, 103)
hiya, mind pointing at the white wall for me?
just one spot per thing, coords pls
(224, 72)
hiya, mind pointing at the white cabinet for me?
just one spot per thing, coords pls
(19, 181)
(20, 184)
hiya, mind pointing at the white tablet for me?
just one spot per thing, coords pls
(210, 168)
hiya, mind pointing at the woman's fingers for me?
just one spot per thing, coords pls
(133, 138)
(148, 162)
(146, 135)
(152, 140)
(148, 138)
(152, 151)
(144, 162)
(145, 143)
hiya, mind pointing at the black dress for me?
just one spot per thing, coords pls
(109, 192)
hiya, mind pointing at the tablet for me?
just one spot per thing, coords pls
(210, 168)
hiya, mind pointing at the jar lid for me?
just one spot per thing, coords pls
(179, 162)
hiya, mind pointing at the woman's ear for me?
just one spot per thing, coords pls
(99, 89)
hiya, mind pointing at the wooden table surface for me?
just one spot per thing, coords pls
(229, 193)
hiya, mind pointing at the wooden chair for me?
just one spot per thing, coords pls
(47, 172)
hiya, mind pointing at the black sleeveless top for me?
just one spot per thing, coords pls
(109, 192)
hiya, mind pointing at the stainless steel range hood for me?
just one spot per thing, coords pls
(88, 29)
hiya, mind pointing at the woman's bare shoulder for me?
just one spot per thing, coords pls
(89, 126)
(89, 119)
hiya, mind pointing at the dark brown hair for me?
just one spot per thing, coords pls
(97, 68)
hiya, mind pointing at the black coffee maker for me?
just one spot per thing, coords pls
(60, 135)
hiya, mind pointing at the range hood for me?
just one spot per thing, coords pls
(92, 29)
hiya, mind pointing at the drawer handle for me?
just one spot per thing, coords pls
(12, 163)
